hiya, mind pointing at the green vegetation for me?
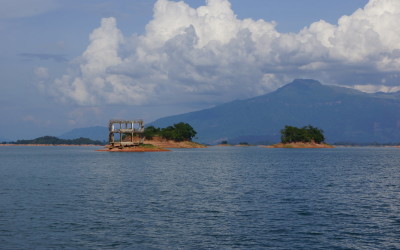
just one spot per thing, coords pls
(224, 143)
(178, 132)
(56, 141)
(147, 146)
(305, 134)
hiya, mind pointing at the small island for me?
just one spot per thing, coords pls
(55, 141)
(150, 139)
(305, 137)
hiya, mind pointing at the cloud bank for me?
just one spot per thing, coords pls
(208, 55)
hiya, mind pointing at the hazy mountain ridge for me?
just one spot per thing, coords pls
(346, 115)
(2, 139)
(97, 133)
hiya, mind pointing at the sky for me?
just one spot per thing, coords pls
(68, 64)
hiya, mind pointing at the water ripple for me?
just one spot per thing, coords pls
(234, 198)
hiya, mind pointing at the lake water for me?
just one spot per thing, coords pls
(218, 198)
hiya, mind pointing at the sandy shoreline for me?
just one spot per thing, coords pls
(134, 149)
(155, 145)
(158, 142)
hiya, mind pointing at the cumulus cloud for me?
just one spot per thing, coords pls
(208, 55)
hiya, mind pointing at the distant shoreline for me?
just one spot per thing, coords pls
(51, 145)
(279, 145)
(300, 145)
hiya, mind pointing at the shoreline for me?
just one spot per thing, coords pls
(300, 145)
(155, 145)
(50, 145)
(134, 149)
(158, 142)
(163, 146)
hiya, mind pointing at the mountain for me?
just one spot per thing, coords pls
(97, 133)
(57, 141)
(345, 115)
(2, 139)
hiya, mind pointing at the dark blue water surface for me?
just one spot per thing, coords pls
(230, 197)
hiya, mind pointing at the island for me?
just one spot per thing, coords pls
(55, 141)
(305, 137)
(134, 137)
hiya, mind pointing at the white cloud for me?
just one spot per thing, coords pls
(42, 72)
(369, 88)
(209, 55)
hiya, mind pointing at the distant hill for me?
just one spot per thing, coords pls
(345, 115)
(57, 141)
(97, 133)
(2, 139)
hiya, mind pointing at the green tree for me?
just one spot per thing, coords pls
(178, 132)
(168, 133)
(315, 134)
(291, 134)
(184, 132)
(150, 132)
(306, 134)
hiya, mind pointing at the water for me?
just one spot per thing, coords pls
(219, 198)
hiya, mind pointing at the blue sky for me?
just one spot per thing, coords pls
(70, 64)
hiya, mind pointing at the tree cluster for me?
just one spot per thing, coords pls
(178, 132)
(57, 141)
(305, 134)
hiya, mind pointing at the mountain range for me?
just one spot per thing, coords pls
(346, 116)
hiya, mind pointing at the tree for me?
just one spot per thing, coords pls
(184, 132)
(150, 132)
(317, 135)
(306, 134)
(178, 132)
(290, 134)
(168, 133)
